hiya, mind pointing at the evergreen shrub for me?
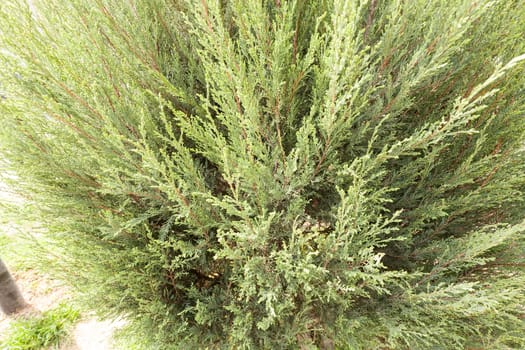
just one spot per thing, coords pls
(256, 174)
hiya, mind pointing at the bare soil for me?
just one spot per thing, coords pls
(43, 293)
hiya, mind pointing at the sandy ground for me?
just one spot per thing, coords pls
(43, 293)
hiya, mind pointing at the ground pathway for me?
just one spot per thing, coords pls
(43, 293)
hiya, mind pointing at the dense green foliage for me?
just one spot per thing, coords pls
(277, 174)
(40, 332)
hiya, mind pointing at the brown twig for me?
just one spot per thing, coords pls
(370, 18)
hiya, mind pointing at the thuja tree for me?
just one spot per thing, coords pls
(11, 300)
(277, 174)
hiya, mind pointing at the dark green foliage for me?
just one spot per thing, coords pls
(277, 174)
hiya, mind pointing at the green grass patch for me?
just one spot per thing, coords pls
(44, 331)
